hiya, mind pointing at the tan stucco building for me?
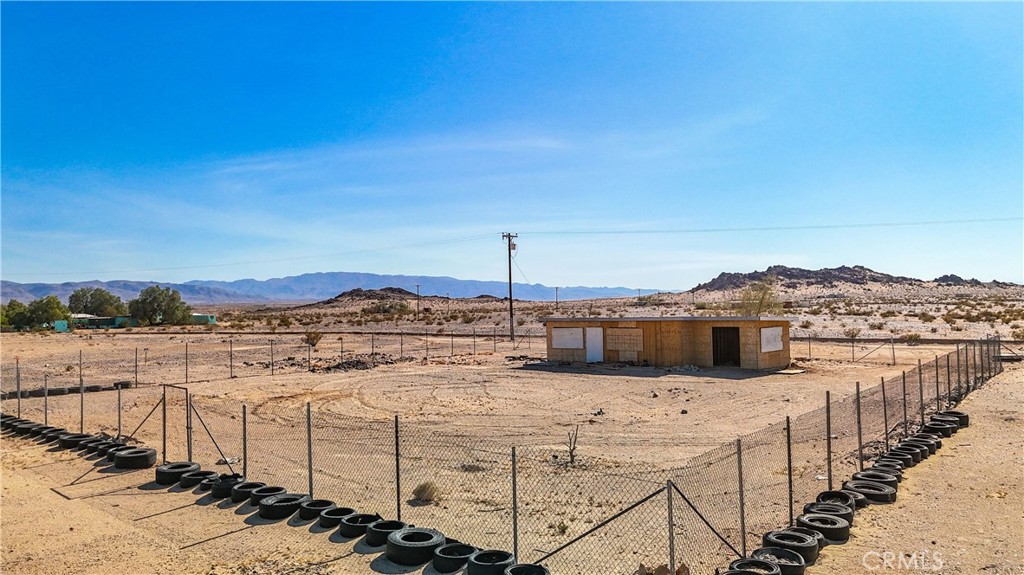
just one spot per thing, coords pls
(745, 342)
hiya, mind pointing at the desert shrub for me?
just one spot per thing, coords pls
(806, 324)
(926, 317)
(311, 338)
(284, 321)
(910, 338)
(426, 492)
(851, 332)
(876, 325)
(1017, 334)
(888, 313)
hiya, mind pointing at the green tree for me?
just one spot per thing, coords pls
(160, 305)
(96, 301)
(15, 315)
(760, 298)
(47, 310)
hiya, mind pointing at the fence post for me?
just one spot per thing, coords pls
(515, 506)
(938, 390)
(231, 359)
(973, 381)
(271, 358)
(885, 416)
(119, 412)
(163, 442)
(136, 367)
(452, 353)
(309, 448)
(474, 341)
(892, 346)
(789, 465)
(188, 422)
(309, 358)
(17, 383)
(958, 372)
(906, 424)
(245, 441)
(398, 475)
(494, 339)
(743, 507)
(401, 344)
(81, 396)
(186, 366)
(373, 344)
(46, 403)
(949, 377)
(828, 439)
(920, 390)
(426, 345)
(671, 529)
(860, 434)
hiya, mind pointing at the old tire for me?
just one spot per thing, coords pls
(105, 449)
(948, 420)
(207, 484)
(805, 545)
(113, 451)
(822, 542)
(412, 546)
(839, 497)
(878, 477)
(527, 569)
(282, 505)
(261, 493)
(314, 507)
(834, 509)
(874, 492)
(903, 457)
(789, 562)
(489, 562)
(88, 445)
(170, 473)
(193, 478)
(451, 557)
(135, 458)
(53, 434)
(243, 491)
(58, 391)
(922, 450)
(931, 445)
(221, 488)
(353, 525)
(331, 517)
(378, 531)
(939, 428)
(71, 440)
(835, 530)
(93, 388)
(885, 468)
(756, 566)
(912, 450)
(963, 419)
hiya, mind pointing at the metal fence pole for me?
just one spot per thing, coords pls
(186, 364)
(46, 402)
(136, 367)
(309, 448)
(828, 440)
(231, 358)
(949, 379)
(401, 344)
(494, 339)
(920, 390)
(958, 372)
(17, 383)
(398, 475)
(426, 345)
(743, 507)
(474, 341)
(515, 505)
(309, 358)
(973, 380)
(271, 358)
(81, 396)
(885, 416)
(188, 422)
(789, 465)
(163, 442)
(938, 390)
(671, 529)
(452, 352)
(860, 434)
(245, 441)
(119, 412)
(906, 423)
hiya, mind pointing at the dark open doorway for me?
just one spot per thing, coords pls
(725, 342)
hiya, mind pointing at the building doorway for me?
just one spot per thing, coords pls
(725, 345)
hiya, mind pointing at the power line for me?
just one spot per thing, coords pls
(773, 228)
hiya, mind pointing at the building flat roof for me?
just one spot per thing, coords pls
(673, 318)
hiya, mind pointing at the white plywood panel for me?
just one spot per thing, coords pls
(567, 337)
(771, 339)
(595, 345)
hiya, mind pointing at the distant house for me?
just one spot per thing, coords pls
(744, 342)
(204, 319)
(87, 321)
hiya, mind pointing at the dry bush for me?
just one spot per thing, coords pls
(426, 492)
(311, 338)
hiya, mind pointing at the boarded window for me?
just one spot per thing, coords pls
(624, 339)
(567, 337)
(771, 339)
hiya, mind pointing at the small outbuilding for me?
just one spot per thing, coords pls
(744, 342)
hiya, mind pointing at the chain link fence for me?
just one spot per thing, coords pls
(575, 514)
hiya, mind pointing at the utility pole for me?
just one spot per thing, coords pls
(417, 302)
(448, 296)
(511, 312)
(556, 300)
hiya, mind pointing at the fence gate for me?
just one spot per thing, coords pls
(176, 443)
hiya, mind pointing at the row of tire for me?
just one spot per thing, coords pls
(55, 391)
(403, 544)
(827, 521)
(118, 453)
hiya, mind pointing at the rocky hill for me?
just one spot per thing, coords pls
(790, 278)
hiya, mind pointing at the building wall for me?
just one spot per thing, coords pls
(671, 343)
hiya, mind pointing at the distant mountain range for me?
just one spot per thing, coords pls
(316, 287)
(831, 277)
(311, 287)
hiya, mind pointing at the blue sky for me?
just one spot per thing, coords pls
(177, 141)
